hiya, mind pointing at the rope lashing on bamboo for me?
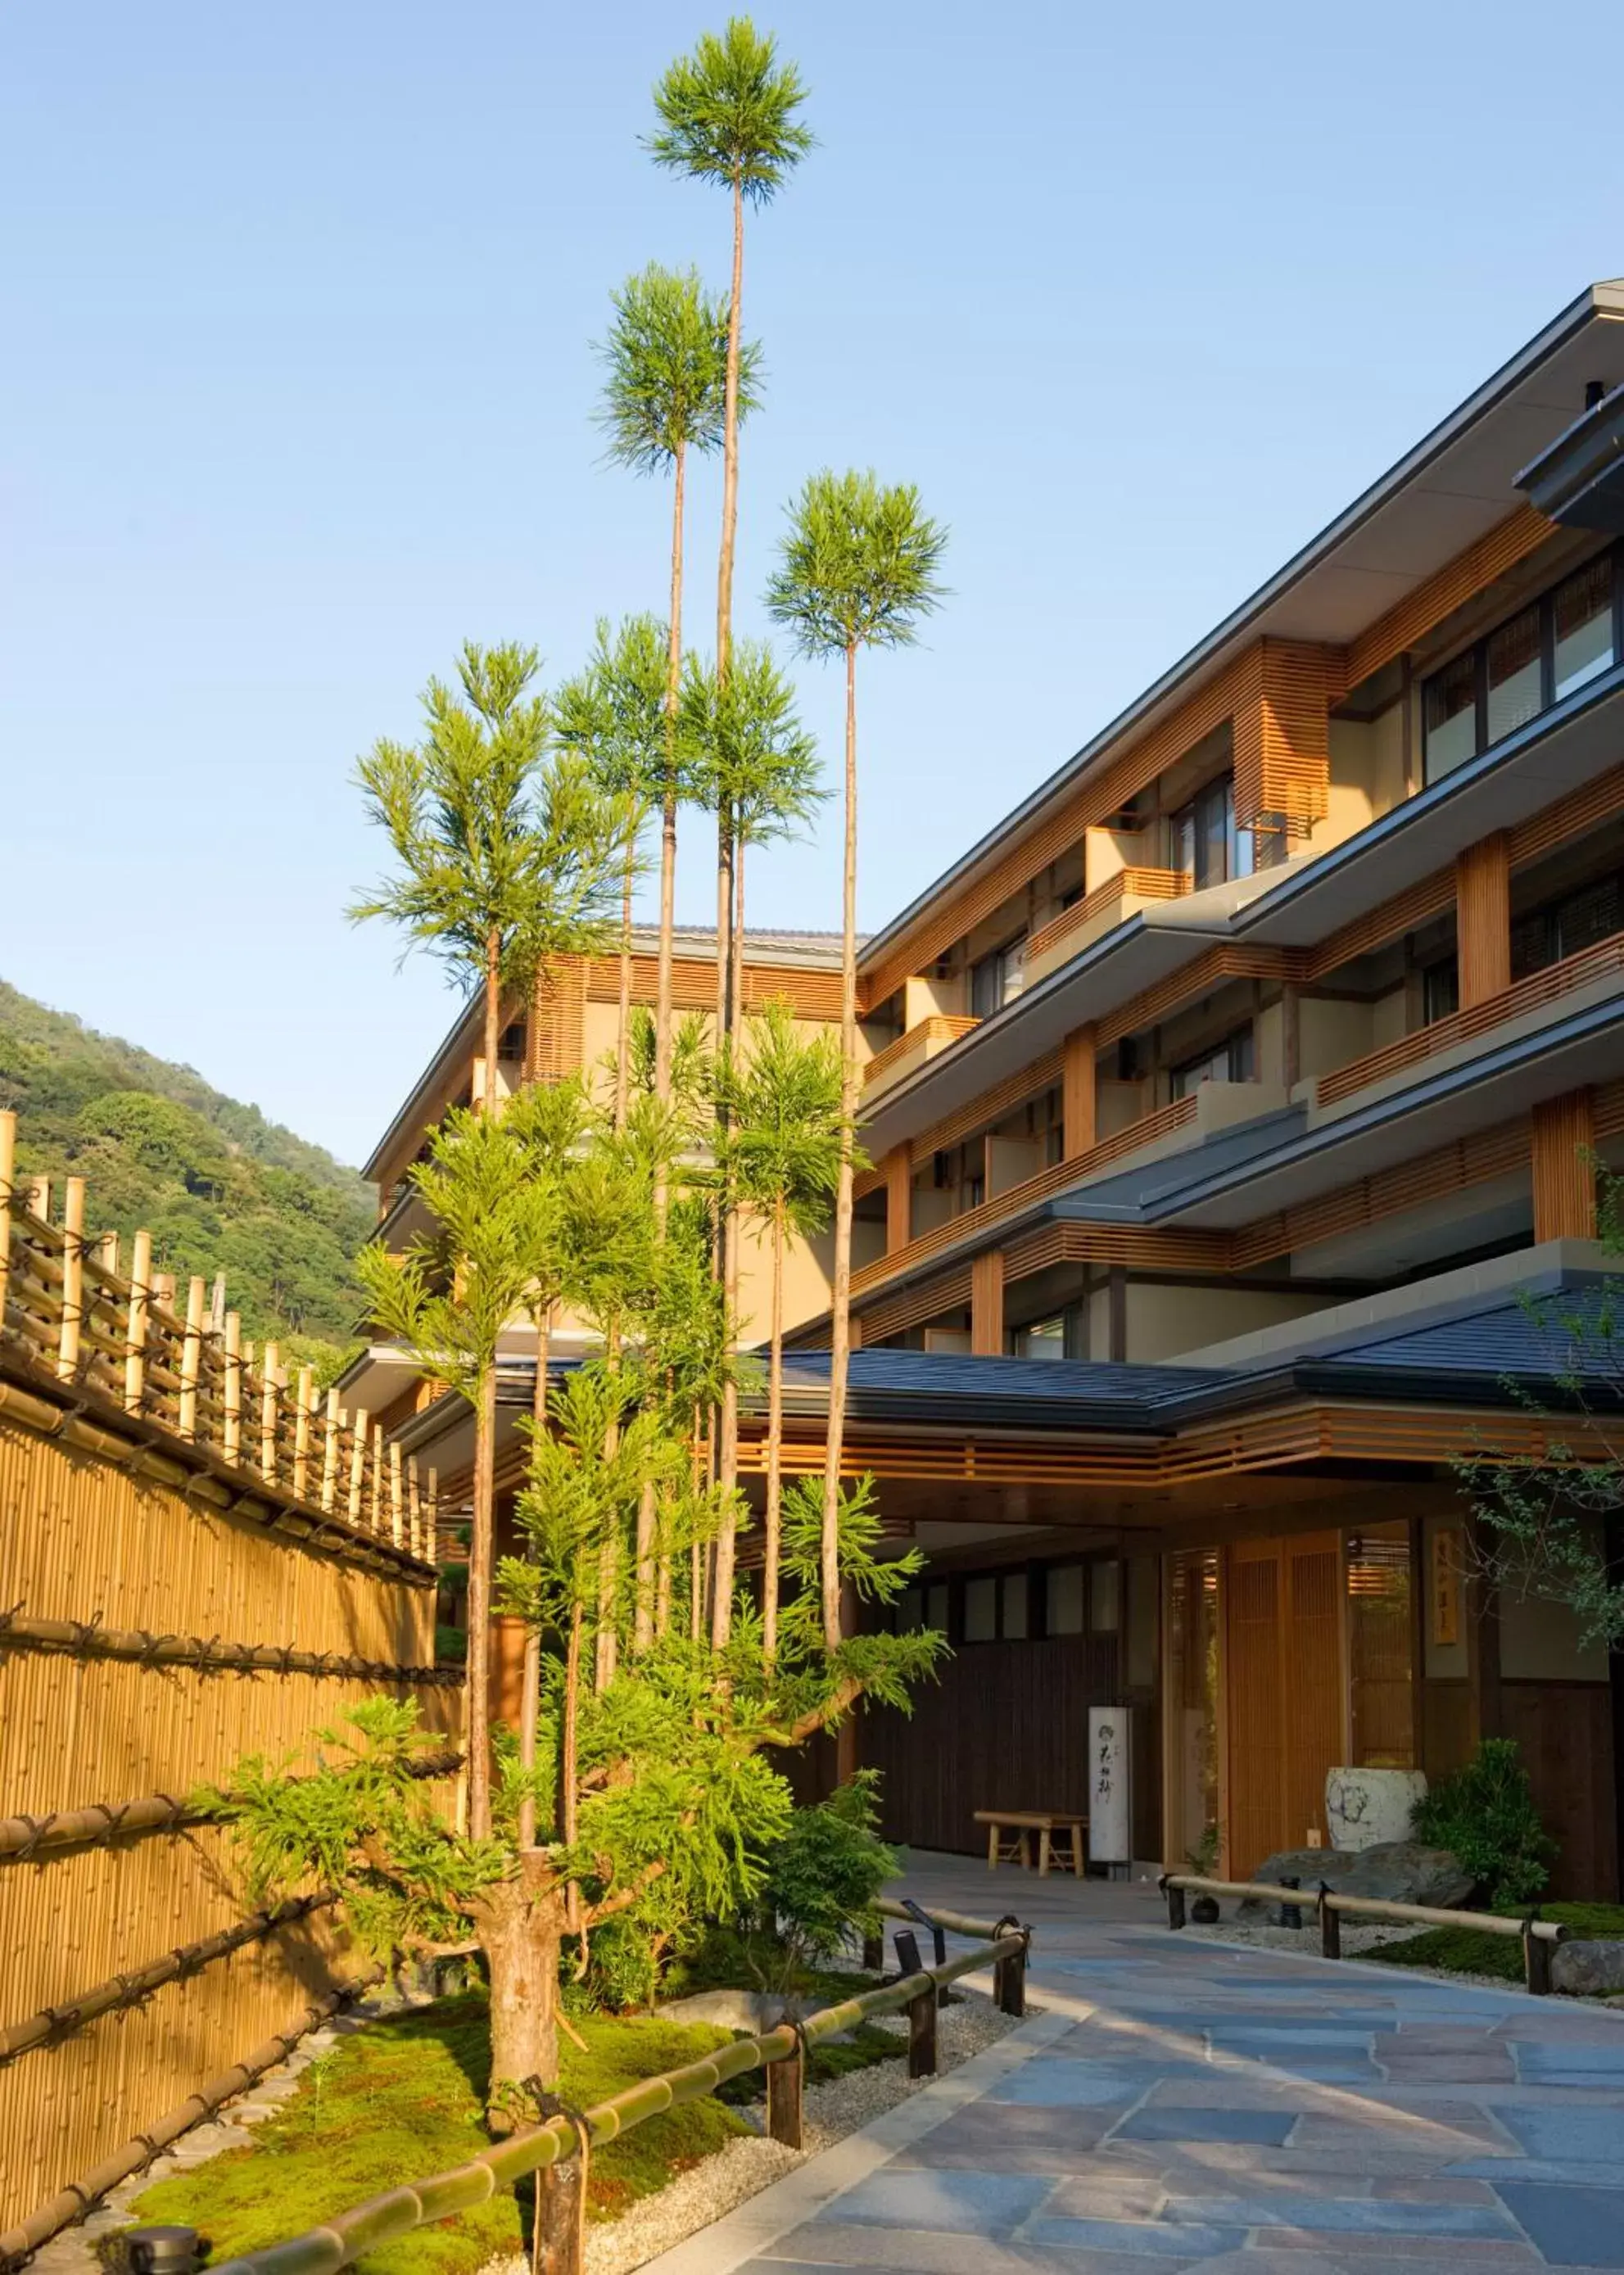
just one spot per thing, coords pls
(99, 1823)
(89, 1639)
(131, 1984)
(78, 2196)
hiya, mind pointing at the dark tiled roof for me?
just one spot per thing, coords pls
(1033, 1394)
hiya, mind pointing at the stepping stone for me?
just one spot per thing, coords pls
(963, 2204)
(1573, 2226)
(1267, 2127)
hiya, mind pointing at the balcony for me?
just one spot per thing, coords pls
(925, 1041)
(1099, 913)
(1604, 962)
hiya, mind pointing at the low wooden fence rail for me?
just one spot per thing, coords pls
(554, 2152)
(1537, 1936)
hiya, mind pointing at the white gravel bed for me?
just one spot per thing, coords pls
(1356, 1940)
(744, 2168)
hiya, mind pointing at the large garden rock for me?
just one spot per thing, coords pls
(1588, 1971)
(1397, 1871)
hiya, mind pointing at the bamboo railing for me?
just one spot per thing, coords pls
(1537, 1936)
(180, 1363)
(554, 2150)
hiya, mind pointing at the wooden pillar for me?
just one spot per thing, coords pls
(1564, 1167)
(898, 1169)
(987, 1304)
(1483, 918)
(1077, 1093)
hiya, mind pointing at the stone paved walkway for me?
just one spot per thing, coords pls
(1181, 2105)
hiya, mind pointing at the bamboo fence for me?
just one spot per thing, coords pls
(198, 1561)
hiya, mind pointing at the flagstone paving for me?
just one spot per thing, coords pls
(1180, 2104)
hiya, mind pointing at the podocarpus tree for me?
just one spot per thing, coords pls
(727, 116)
(751, 760)
(859, 568)
(506, 858)
(448, 1299)
(665, 387)
(613, 716)
(785, 1155)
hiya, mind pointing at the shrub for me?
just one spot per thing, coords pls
(1485, 1814)
(825, 1876)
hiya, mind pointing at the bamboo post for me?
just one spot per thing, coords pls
(397, 1498)
(191, 1359)
(1009, 1976)
(8, 1171)
(922, 2033)
(1330, 1926)
(39, 1200)
(559, 2221)
(432, 1518)
(163, 1289)
(329, 1455)
(376, 1477)
(785, 2089)
(268, 1415)
(304, 1405)
(414, 1506)
(135, 1331)
(1535, 1960)
(231, 1395)
(358, 1462)
(73, 1278)
(104, 1253)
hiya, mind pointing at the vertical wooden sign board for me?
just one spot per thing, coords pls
(1444, 1585)
(1110, 1813)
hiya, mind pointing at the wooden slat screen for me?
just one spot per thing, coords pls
(1311, 1677)
(1410, 619)
(1564, 1167)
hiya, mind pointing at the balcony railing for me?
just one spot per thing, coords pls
(921, 1042)
(1540, 988)
(1100, 912)
(1058, 1178)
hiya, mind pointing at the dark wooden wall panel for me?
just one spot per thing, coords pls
(1565, 1730)
(1445, 1726)
(1006, 1726)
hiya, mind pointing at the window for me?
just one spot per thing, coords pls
(1064, 1591)
(998, 979)
(1014, 1606)
(1233, 1061)
(1043, 1339)
(1440, 991)
(1537, 657)
(981, 1610)
(1563, 928)
(1105, 1597)
(512, 1045)
(1205, 846)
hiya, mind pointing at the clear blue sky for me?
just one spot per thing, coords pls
(298, 394)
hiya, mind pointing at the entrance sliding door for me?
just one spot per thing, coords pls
(1284, 1690)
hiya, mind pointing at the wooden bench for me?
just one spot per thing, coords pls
(1020, 1825)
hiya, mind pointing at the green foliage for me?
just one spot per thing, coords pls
(858, 566)
(404, 2098)
(1468, 1951)
(745, 748)
(727, 114)
(665, 368)
(781, 1142)
(221, 1189)
(1485, 1814)
(825, 1878)
(612, 715)
(493, 841)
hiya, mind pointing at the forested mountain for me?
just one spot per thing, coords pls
(220, 1187)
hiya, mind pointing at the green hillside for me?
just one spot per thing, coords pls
(219, 1187)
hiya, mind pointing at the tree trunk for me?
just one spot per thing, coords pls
(643, 1609)
(667, 816)
(518, 1923)
(729, 448)
(480, 1558)
(774, 1443)
(608, 1551)
(840, 1308)
(530, 1711)
(623, 1043)
(492, 1017)
(569, 1752)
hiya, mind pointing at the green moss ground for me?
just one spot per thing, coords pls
(730, 1960)
(402, 2100)
(1468, 1951)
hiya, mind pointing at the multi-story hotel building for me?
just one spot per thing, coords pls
(1227, 1103)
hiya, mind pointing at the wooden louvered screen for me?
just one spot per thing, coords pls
(558, 1028)
(1410, 619)
(1257, 1733)
(1564, 1167)
(1483, 918)
(1282, 749)
(1284, 1687)
(1311, 1681)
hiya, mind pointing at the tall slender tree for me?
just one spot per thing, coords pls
(859, 568)
(614, 716)
(751, 758)
(506, 858)
(665, 390)
(785, 1155)
(728, 116)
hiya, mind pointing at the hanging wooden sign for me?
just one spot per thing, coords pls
(1444, 1585)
